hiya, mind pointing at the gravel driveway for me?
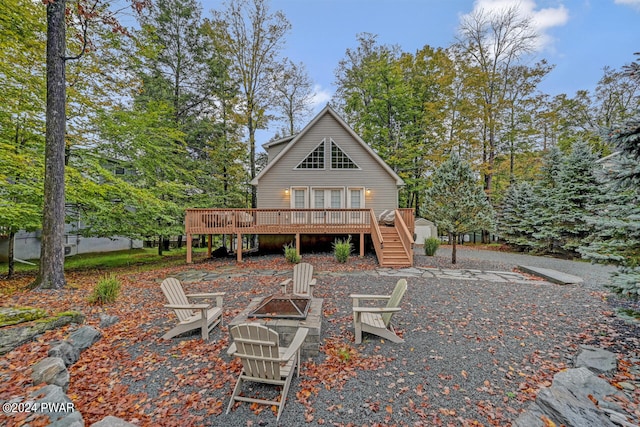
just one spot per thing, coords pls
(595, 275)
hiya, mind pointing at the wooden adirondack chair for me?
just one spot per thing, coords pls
(263, 361)
(303, 281)
(191, 316)
(377, 320)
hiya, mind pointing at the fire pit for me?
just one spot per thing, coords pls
(282, 306)
(286, 319)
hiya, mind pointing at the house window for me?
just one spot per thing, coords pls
(355, 200)
(299, 199)
(339, 159)
(315, 159)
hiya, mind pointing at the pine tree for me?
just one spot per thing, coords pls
(578, 193)
(547, 239)
(456, 203)
(618, 229)
(516, 220)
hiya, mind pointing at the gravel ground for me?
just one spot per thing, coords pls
(475, 353)
(595, 276)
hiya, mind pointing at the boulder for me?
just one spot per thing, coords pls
(562, 407)
(106, 320)
(56, 405)
(65, 351)
(596, 359)
(582, 383)
(51, 370)
(112, 421)
(84, 337)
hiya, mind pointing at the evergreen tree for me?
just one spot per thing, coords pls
(456, 203)
(578, 193)
(618, 230)
(547, 239)
(516, 220)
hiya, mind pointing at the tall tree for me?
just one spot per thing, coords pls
(22, 30)
(293, 93)
(456, 203)
(51, 272)
(253, 38)
(618, 229)
(493, 42)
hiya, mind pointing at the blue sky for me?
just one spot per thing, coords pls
(579, 37)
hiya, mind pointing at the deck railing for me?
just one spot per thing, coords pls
(406, 236)
(277, 221)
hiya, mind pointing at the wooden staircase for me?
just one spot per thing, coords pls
(393, 252)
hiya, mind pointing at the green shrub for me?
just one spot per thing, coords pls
(342, 249)
(106, 291)
(431, 246)
(290, 254)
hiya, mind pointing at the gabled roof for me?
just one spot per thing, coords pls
(292, 140)
(275, 142)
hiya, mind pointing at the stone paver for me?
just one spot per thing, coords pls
(422, 272)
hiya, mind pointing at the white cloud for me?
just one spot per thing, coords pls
(632, 3)
(320, 97)
(542, 20)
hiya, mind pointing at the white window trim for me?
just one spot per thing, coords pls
(362, 197)
(327, 198)
(324, 153)
(331, 141)
(292, 198)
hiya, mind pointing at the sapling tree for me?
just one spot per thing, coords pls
(456, 202)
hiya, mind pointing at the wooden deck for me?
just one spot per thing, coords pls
(298, 222)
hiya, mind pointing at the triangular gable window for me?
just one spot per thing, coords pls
(315, 159)
(339, 159)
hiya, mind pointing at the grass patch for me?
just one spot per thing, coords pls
(145, 259)
(291, 254)
(106, 291)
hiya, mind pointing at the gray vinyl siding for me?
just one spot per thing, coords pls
(273, 151)
(371, 175)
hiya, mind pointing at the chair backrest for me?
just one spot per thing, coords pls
(257, 348)
(394, 300)
(302, 276)
(172, 289)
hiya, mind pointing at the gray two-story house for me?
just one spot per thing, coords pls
(324, 180)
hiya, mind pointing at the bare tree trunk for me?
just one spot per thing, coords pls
(51, 274)
(453, 238)
(11, 254)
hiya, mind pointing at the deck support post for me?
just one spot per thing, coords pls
(189, 239)
(298, 244)
(239, 247)
(361, 245)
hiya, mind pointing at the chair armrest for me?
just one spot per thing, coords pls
(207, 295)
(217, 295)
(232, 349)
(376, 309)
(312, 282)
(284, 285)
(364, 296)
(298, 339)
(187, 306)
